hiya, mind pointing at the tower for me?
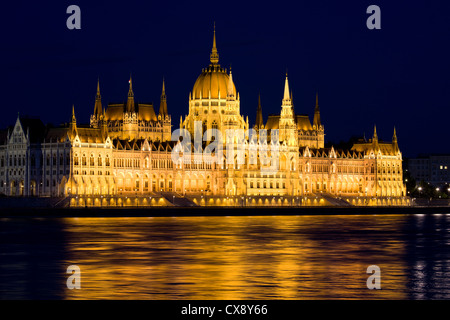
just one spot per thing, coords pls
(163, 102)
(214, 101)
(287, 125)
(214, 56)
(98, 110)
(395, 142)
(316, 121)
(130, 101)
(317, 125)
(73, 124)
(375, 139)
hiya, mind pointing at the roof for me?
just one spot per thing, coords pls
(213, 79)
(386, 148)
(57, 134)
(145, 111)
(90, 135)
(115, 112)
(302, 121)
(326, 152)
(273, 122)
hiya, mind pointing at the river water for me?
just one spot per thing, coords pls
(270, 257)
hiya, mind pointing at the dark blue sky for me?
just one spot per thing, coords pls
(399, 75)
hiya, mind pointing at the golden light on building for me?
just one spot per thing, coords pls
(124, 157)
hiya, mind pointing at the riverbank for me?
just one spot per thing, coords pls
(215, 211)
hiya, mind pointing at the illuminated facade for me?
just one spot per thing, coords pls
(124, 157)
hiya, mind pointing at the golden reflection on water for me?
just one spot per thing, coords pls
(295, 257)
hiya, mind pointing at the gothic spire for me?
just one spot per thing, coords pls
(316, 121)
(98, 101)
(73, 124)
(394, 140)
(286, 96)
(214, 56)
(74, 119)
(375, 136)
(163, 103)
(130, 101)
(230, 91)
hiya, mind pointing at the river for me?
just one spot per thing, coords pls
(245, 257)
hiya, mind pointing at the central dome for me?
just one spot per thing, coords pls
(213, 79)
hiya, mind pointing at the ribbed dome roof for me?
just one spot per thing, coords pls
(213, 79)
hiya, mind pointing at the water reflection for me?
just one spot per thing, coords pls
(308, 257)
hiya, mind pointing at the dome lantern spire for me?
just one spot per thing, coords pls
(98, 101)
(286, 96)
(214, 56)
(130, 101)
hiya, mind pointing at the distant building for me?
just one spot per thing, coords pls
(126, 153)
(434, 169)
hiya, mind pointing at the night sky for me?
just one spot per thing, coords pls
(397, 76)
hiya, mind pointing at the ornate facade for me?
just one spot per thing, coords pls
(125, 156)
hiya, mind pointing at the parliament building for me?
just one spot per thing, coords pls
(124, 157)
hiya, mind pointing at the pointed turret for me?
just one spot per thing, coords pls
(214, 56)
(286, 97)
(394, 140)
(292, 104)
(73, 124)
(130, 101)
(316, 121)
(375, 136)
(98, 101)
(287, 124)
(230, 86)
(259, 117)
(163, 103)
(74, 119)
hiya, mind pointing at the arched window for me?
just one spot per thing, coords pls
(83, 160)
(100, 163)
(91, 160)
